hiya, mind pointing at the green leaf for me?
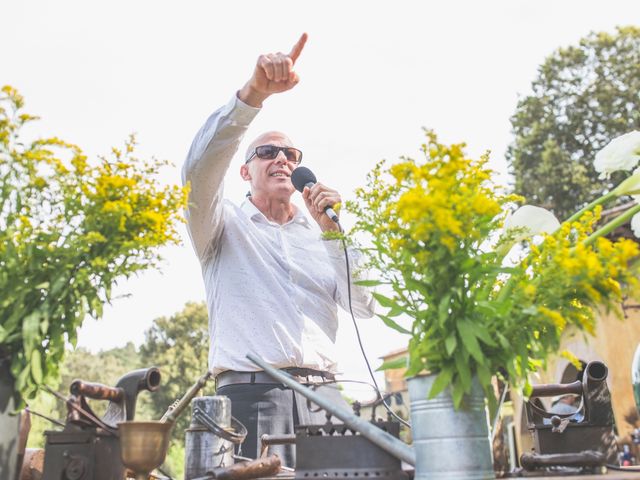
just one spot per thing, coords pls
(442, 381)
(457, 394)
(527, 390)
(57, 285)
(465, 329)
(392, 324)
(44, 326)
(36, 366)
(443, 309)
(368, 283)
(384, 301)
(30, 329)
(394, 364)
(481, 332)
(417, 286)
(486, 308)
(464, 372)
(23, 378)
(484, 375)
(450, 343)
(96, 307)
(498, 269)
(504, 343)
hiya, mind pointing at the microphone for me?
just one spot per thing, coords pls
(303, 177)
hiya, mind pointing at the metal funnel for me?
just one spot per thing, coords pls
(143, 445)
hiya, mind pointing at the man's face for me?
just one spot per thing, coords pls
(270, 178)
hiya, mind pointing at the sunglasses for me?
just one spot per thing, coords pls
(269, 152)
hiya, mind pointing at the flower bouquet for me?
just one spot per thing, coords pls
(489, 292)
(70, 229)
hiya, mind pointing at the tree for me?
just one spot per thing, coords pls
(583, 97)
(69, 229)
(179, 347)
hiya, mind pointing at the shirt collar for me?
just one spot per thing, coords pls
(253, 213)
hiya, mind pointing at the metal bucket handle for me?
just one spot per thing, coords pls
(237, 435)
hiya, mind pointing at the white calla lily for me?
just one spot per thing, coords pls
(532, 221)
(621, 153)
(635, 225)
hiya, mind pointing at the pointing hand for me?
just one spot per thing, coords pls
(273, 73)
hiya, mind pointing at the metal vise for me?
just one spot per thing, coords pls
(587, 431)
(89, 448)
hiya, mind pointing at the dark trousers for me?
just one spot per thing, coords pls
(273, 409)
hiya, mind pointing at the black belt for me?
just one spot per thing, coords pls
(302, 375)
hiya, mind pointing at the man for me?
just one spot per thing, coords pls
(273, 283)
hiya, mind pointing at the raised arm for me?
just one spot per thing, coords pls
(207, 162)
(218, 139)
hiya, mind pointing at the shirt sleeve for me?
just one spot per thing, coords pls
(362, 300)
(207, 162)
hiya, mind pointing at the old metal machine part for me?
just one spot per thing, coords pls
(123, 397)
(375, 435)
(562, 439)
(259, 468)
(89, 448)
(143, 445)
(588, 458)
(337, 451)
(267, 440)
(210, 438)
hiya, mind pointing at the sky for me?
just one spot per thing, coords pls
(373, 74)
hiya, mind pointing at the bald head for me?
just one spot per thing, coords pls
(269, 138)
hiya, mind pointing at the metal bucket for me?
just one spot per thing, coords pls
(204, 450)
(449, 444)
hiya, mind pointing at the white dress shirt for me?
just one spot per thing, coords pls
(272, 289)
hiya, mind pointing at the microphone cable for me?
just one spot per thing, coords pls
(355, 324)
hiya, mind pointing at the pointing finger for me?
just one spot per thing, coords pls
(297, 48)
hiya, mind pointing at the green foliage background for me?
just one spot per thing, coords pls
(583, 97)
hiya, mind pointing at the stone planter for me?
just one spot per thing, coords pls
(9, 424)
(449, 444)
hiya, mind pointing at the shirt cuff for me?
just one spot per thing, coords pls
(239, 113)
